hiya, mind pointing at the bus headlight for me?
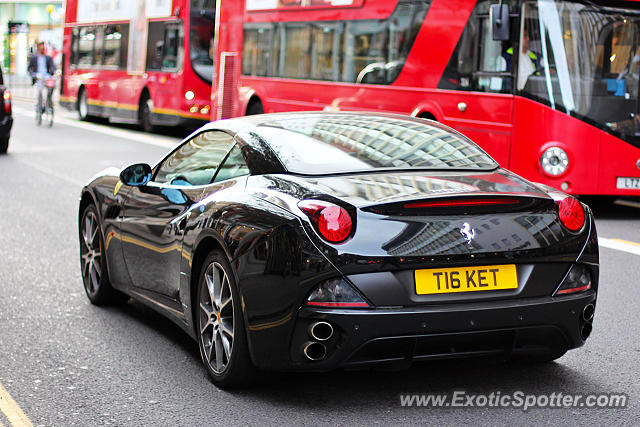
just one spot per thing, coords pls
(554, 161)
(189, 95)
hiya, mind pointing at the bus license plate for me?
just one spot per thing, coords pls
(628, 182)
(466, 279)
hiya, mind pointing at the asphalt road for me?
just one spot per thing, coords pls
(66, 362)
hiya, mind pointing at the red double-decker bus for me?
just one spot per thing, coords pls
(147, 62)
(548, 87)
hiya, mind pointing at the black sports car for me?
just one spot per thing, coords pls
(311, 241)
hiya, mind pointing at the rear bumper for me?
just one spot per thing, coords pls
(400, 336)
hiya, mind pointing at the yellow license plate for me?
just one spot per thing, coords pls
(466, 279)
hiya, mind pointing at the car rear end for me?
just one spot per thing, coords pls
(496, 273)
(434, 251)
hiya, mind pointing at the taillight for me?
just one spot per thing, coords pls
(6, 97)
(571, 213)
(332, 221)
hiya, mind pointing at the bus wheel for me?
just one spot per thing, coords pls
(255, 107)
(144, 113)
(83, 106)
(427, 116)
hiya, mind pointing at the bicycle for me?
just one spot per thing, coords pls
(45, 110)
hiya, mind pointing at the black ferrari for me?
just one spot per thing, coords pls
(313, 241)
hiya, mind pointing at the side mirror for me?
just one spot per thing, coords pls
(136, 175)
(499, 18)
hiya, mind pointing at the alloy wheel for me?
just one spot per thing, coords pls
(91, 253)
(216, 317)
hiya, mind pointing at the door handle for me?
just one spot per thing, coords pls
(462, 106)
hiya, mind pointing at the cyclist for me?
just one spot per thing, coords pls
(40, 67)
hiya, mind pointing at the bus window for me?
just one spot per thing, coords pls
(297, 51)
(480, 63)
(256, 59)
(276, 53)
(172, 48)
(73, 57)
(113, 46)
(366, 51)
(363, 51)
(623, 44)
(164, 46)
(249, 52)
(85, 46)
(201, 39)
(403, 29)
(155, 42)
(326, 52)
(98, 46)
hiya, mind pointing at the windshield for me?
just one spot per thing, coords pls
(583, 59)
(201, 38)
(328, 144)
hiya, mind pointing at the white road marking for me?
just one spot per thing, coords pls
(620, 245)
(157, 140)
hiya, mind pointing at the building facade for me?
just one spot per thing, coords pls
(22, 25)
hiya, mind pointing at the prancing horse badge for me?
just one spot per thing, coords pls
(468, 232)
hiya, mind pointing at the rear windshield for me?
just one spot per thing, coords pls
(329, 144)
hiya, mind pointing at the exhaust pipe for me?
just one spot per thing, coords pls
(586, 331)
(587, 313)
(321, 331)
(315, 351)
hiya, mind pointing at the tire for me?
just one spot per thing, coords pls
(255, 107)
(39, 114)
(93, 263)
(220, 326)
(49, 121)
(83, 106)
(144, 114)
(48, 112)
(4, 144)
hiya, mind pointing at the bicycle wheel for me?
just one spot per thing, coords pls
(49, 117)
(39, 109)
(49, 120)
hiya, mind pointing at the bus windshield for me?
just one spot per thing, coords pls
(583, 59)
(201, 38)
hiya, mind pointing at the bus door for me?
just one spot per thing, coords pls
(480, 79)
(164, 59)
